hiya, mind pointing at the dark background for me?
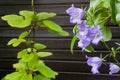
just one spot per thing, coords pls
(70, 67)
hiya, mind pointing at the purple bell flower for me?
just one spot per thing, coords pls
(88, 35)
(95, 34)
(113, 68)
(82, 35)
(83, 43)
(95, 62)
(76, 14)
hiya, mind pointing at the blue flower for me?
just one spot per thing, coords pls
(113, 68)
(95, 34)
(95, 62)
(76, 14)
(88, 35)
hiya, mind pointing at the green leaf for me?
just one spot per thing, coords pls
(27, 14)
(53, 26)
(18, 42)
(39, 46)
(27, 57)
(22, 53)
(62, 33)
(26, 77)
(16, 21)
(75, 29)
(46, 71)
(113, 52)
(44, 54)
(107, 35)
(12, 41)
(45, 15)
(72, 43)
(23, 35)
(89, 48)
(13, 76)
(113, 10)
(19, 66)
(40, 77)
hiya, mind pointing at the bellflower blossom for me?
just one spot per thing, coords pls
(76, 14)
(113, 68)
(88, 35)
(95, 34)
(95, 62)
(82, 35)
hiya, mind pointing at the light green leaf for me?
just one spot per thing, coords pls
(18, 42)
(26, 77)
(22, 53)
(16, 21)
(107, 35)
(45, 15)
(46, 71)
(72, 43)
(12, 41)
(27, 57)
(75, 29)
(89, 48)
(19, 66)
(27, 14)
(62, 33)
(53, 26)
(39, 46)
(40, 77)
(44, 54)
(23, 35)
(13, 76)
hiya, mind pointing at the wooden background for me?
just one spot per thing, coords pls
(70, 67)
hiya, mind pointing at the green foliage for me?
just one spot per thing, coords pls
(39, 46)
(16, 42)
(44, 54)
(75, 29)
(17, 21)
(40, 77)
(107, 35)
(72, 43)
(55, 28)
(89, 49)
(113, 10)
(45, 15)
(46, 71)
(23, 35)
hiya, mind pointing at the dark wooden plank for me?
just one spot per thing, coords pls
(85, 76)
(75, 75)
(5, 2)
(58, 43)
(61, 20)
(71, 66)
(57, 54)
(41, 33)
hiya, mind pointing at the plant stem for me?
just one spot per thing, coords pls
(106, 46)
(32, 6)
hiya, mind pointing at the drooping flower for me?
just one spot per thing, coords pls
(82, 35)
(95, 34)
(76, 14)
(88, 35)
(83, 43)
(113, 68)
(95, 62)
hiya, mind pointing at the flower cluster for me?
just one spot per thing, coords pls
(96, 62)
(87, 35)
